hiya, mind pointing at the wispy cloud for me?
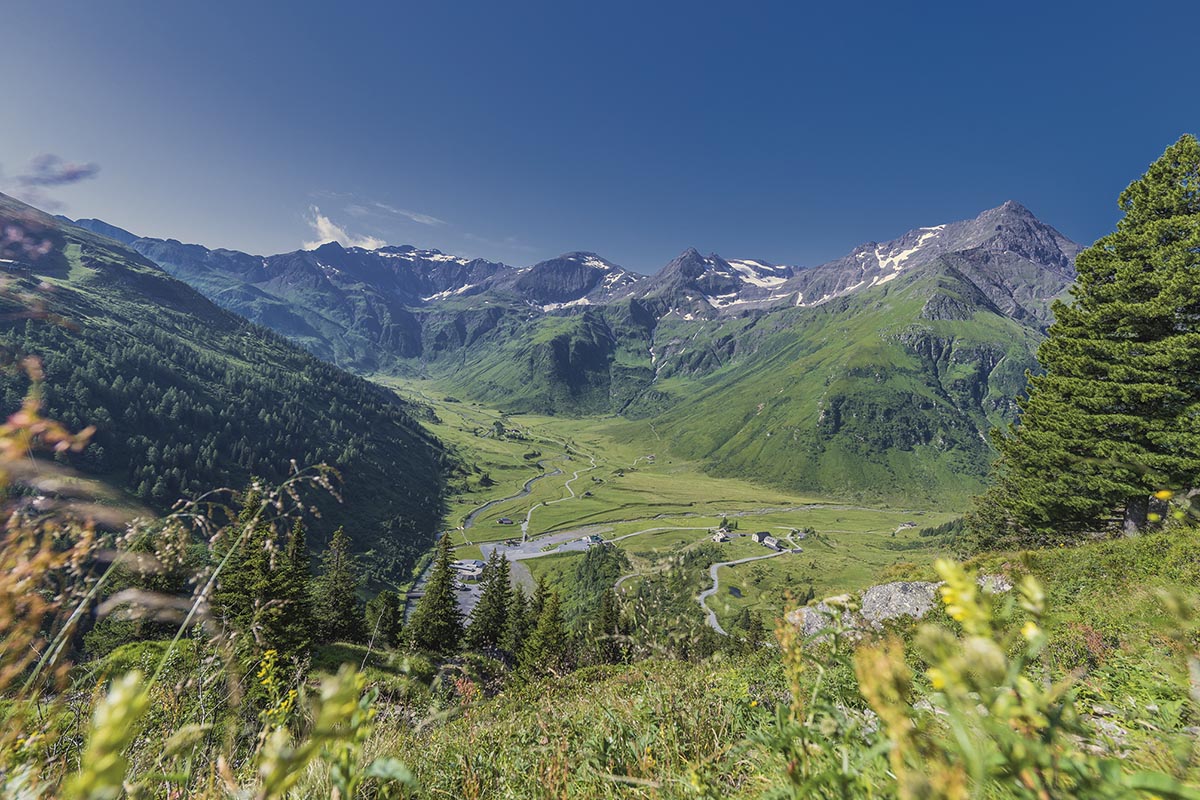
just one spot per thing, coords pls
(327, 230)
(385, 219)
(51, 170)
(374, 208)
(415, 216)
(46, 171)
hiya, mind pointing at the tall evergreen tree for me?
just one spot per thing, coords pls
(262, 593)
(436, 624)
(516, 624)
(1116, 416)
(607, 631)
(385, 619)
(295, 590)
(546, 649)
(491, 612)
(540, 592)
(337, 614)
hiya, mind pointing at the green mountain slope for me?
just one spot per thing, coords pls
(187, 397)
(888, 392)
(878, 374)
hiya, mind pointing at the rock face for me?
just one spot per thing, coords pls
(814, 619)
(883, 602)
(867, 374)
(900, 599)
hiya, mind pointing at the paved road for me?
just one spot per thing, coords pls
(709, 614)
(525, 490)
(574, 477)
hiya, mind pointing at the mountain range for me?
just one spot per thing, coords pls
(878, 373)
(187, 397)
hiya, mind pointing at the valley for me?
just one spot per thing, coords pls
(561, 480)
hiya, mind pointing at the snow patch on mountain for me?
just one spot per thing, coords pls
(582, 301)
(449, 293)
(421, 255)
(756, 273)
(895, 260)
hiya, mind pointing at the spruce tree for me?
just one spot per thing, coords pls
(607, 630)
(540, 591)
(490, 614)
(262, 594)
(436, 623)
(1116, 415)
(295, 592)
(385, 619)
(337, 615)
(546, 648)
(233, 596)
(516, 624)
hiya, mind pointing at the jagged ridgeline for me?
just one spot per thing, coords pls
(876, 375)
(188, 397)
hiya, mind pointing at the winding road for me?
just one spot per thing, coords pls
(525, 491)
(569, 540)
(710, 615)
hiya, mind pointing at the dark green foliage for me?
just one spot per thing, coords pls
(488, 619)
(604, 637)
(547, 649)
(385, 619)
(261, 590)
(595, 573)
(1115, 417)
(517, 622)
(670, 595)
(173, 579)
(295, 590)
(436, 624)
(337, 613)
(753, 634)
(186, 397)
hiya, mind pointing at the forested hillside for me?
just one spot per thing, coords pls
(186, 397)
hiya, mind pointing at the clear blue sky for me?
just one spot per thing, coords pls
(516, 131)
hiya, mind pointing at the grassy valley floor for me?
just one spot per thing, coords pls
(557, 480)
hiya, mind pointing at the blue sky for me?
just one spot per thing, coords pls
(789, 132)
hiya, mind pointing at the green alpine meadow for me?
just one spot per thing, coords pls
(599, 401)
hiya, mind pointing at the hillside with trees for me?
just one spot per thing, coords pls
(185, 397)
(197, 655)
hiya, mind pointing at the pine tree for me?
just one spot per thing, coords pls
(294, 591)
(487, 620)
(337, 615)
(516, 624)
(436, 623)
(1115, 416)
(540, 591)
(385, 619)
(607, 630)
(232, 598)
(262, 594)
(756, 632)
(546, 648)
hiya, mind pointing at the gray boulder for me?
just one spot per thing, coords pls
(900, 599)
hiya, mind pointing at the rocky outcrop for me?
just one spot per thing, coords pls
(880, 603)
(901, 599)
